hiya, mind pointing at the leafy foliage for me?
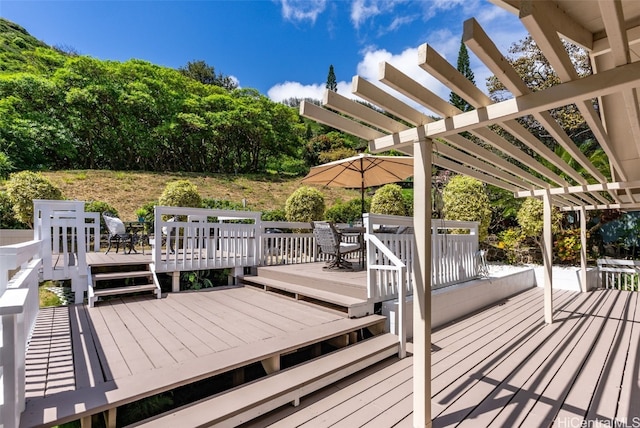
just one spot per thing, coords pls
(7, 218)
(347, 212)
(180, 193)
(64, 111)
(206, 74)
(305, 204)
(388, 200)
(25, 186)
(465, 199)
(6, 166)
(567, 246)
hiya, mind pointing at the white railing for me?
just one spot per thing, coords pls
(287, 243)
(388, 276)
(453, 256)
(199, 239)
(19, 306)
(619, 274)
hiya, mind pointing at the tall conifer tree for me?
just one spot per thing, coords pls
(332, 84)
(464, 67)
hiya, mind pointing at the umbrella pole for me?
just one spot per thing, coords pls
(362, 192)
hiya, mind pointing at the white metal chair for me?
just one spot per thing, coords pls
(330, 242)
(117, 233)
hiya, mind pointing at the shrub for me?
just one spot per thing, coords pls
(388, 200)
(465, 199)
(7, 218)
(5, 166)
(25, 186)
(510, 241)
(305, 204)
(531, 222)
(222, 204)
(100, 207)
(274, 215)
(567, 246)
(347, 212)
(181, 193)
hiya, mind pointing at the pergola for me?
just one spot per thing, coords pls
(610, 31)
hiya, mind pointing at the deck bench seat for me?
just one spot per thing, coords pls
(246, 402)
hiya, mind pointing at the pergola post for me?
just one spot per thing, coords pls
(547, 257)
(422, 284)
(583, 250)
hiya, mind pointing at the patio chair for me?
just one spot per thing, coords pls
(330, 242)
(117, 233)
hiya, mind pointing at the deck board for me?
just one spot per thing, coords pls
(526, 373)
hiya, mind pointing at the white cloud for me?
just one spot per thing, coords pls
(362, 10)
(286, 90)
(302, 10)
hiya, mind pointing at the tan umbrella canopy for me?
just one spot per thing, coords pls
(361, 171)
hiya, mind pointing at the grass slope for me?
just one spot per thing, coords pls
(127, 191)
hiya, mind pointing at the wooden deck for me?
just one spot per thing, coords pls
(128, 348)
(504, 367)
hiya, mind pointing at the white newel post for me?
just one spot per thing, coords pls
(583, 250)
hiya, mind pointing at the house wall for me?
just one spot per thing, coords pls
(456, 301)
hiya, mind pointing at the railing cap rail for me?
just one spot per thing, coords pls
(15, 255)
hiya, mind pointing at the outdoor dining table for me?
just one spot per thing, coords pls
(139, 231)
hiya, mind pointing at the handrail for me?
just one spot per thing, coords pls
(19, 307)
(619, 274)
(395, 264)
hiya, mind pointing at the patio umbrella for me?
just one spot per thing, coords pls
(361, 171)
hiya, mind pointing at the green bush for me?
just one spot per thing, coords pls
(510, 241)
(222, 204)
(388, 200)
(465, 199)
(25, 186)
(274, 215)
(347, 212)
(7, 218)
(305, 204)
(100, 207)
(181, 193)
(5, 166)
(567, 246)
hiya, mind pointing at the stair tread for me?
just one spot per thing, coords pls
(123, 290)
(119, 275)
(246, 397)
(328, 296)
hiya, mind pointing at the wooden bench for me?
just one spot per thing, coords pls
(246, 402)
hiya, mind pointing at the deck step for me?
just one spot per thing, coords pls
(353, 306)
(249, 401)
(120, 275)
(123, 290)
(96, 290)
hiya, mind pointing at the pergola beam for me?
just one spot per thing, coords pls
(546, 37)
(483, 47)
(604, 83)
(408, 87)
(622, 185)
(326, 117)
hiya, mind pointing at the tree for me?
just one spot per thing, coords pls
(25, 186)
(530, 218)
(332, 84)
(536, 72)
(464, 67)
(465, 199)
(206, 74)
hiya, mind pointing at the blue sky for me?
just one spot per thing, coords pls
(283, 48)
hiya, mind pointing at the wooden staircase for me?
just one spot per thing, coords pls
(251, 400)
(338, 290)
(119, 279)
